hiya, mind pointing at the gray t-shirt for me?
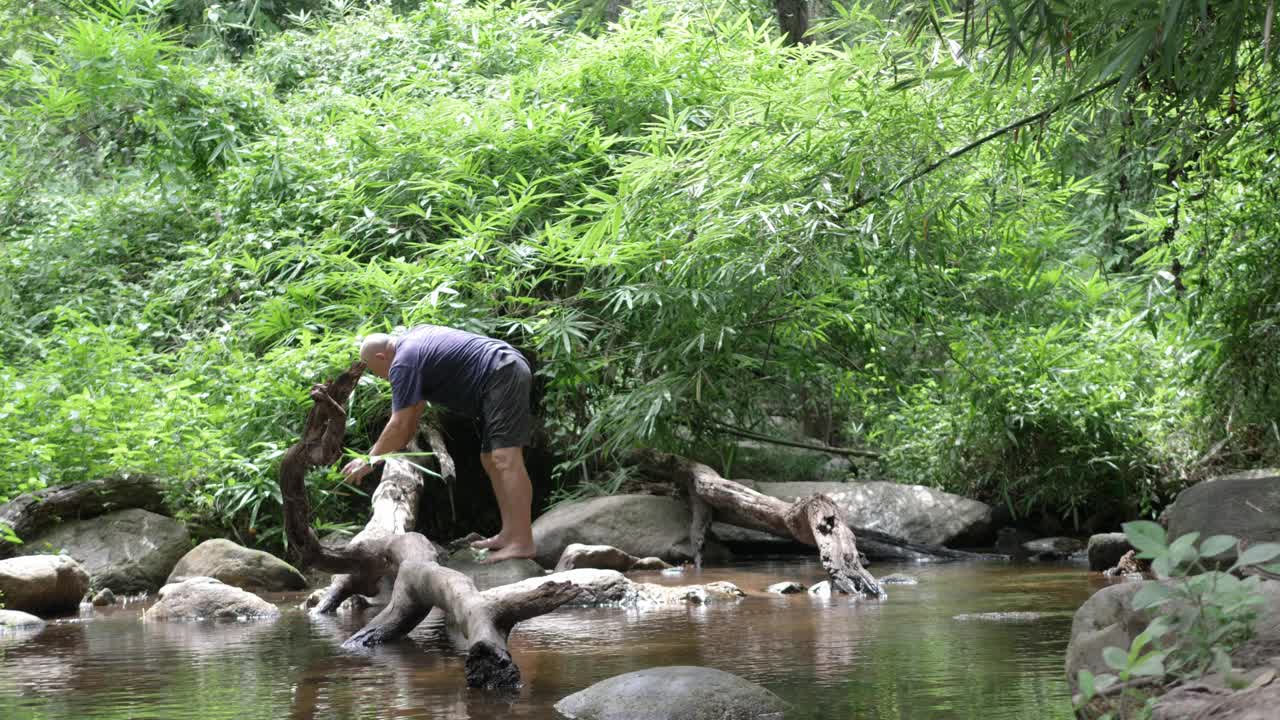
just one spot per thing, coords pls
(443, 366)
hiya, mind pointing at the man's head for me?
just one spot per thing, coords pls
(377, 351)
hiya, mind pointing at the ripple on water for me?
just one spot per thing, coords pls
(903, 657)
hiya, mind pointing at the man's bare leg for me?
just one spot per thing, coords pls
(514, 491)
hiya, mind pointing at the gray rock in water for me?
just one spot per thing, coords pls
(912, 512)
(43, 584)
(898, 579)
(239, 566)
(1001, 617)
(605, 557)
(129, 551)
(785, 588)
(208, 599)
(1053, 547)
(17, 627)
(1106, 549)
(1244, 505)
(14, 620)
(493, 575)
(822, 589)
(104, 597)
(673, 693)
(641, 525)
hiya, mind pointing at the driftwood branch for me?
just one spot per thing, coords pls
(27, 515)
(448, 469)
(815, 520)
(388, 550)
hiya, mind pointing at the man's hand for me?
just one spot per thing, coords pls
(356, 470)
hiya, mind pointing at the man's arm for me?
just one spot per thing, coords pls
(398, 432)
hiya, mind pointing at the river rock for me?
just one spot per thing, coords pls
(129, 551)
(15, 620)
(239, 566)
(1107, 619)
(673, 693)
(785, 588)
(1002, 617)
(495, 574)
(42, 584)
(821, 589)
(1052, 548)
(912, 512)
(103, 598)
(898, 579)
(1106, 549)
(604, 557)
(203, 598)
(1244, 505)
(641, 525)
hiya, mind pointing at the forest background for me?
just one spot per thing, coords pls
(1027, 250)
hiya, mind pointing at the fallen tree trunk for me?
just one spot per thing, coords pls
(386, 550)
(27, 515)
(815, 520)
(873, 544)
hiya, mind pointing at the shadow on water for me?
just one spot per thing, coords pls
(903, 658)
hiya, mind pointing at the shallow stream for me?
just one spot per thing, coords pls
(904, 658)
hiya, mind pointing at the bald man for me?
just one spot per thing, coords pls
(475, 376)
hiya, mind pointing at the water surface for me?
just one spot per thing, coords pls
(904, 658)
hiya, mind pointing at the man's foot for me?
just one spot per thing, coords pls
(512, 551)
(497, 542)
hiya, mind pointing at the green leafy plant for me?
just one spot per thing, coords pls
(1201, 612)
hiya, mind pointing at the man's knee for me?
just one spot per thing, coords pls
(508, 459)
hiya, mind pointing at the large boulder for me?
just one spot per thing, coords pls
(129, 551)
(1246, 505)
(912, 512)
(42, 584)
(673, 693)
(205, 598)
(239, 566)
(1106, 549)
(642, 525)
(1107, 618)
(492, 575)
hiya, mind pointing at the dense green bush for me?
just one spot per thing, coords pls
(684, 220)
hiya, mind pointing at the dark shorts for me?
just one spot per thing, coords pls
(505, 416)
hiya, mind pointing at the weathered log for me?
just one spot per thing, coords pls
(27, 515)
(386, 549)
(815, 520)
(876, 544)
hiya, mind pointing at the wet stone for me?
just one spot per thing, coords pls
(899, 579)
(785, 588)
(1001, 617)
(673, 693)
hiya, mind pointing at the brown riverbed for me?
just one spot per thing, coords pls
(904, 658)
